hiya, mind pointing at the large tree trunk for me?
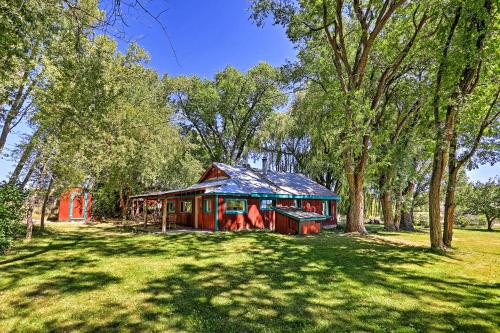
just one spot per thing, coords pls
(355, 213)
(385, 181)
(386, 204)
(440, 158)
(449, 204)
(29, 216)
(467, 84)
(406, 220)
(397, 209)
(44, 205)
(491, 221)
(355, 169)
(442, 140)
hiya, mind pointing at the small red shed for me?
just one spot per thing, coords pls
(75, 205)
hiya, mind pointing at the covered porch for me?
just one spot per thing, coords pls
(166, 211)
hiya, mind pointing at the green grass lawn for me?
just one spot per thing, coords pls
(102, 278)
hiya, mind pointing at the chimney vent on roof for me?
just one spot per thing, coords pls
(264, 165)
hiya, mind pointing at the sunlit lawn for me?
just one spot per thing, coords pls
(101, 278)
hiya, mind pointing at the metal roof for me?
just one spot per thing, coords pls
(250, 180)
(246, 180)
(300, 214)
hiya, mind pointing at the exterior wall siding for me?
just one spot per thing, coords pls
(253, 218)
(214, 172)
(285, 225)
(64, 206)
(207, 220)
(288, 226)
(310, 227)
(185, 219)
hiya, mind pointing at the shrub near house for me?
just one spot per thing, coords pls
(11, 212)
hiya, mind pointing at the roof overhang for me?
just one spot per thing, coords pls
(277, 195)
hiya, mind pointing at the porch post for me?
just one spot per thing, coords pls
(216, 212)
(164, 215)
(145, 206)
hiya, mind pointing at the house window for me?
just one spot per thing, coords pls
(207, 206)
(171, 206)
(297, 203)
(326, 207)
(186, 206)
(267, 204)
(236, 206)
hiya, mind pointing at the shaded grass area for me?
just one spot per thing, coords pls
(103, 278)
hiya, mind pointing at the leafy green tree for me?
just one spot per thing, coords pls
(355, 51)
(464, 46)
(11, 212)
(226, 113)
(484, 198)
(296, 140)
(401, 136)
(34, 32)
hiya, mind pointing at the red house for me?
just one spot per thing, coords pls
(75, 205)
(240, 197)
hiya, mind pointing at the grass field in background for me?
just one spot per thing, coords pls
(103, 278)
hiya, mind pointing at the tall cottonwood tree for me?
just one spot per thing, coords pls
(463, 38)
(395, 150)
(473, 126)
(297, 140)
(33, 30)
(110, 127)
(363, 45)
(226, 113)
(483, 199)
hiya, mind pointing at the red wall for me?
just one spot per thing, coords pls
(310, 227)
(253, 219)
(205, 220)
(285, 225)
(64, 206)
(288, 226)
(265, 219)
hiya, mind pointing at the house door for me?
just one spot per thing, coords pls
(197, 212)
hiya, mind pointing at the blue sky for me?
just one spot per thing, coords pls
(207, 36)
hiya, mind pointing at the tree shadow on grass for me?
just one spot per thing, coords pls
(284, 287)
(258, 282)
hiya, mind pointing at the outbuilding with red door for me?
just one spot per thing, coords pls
(75, 205)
